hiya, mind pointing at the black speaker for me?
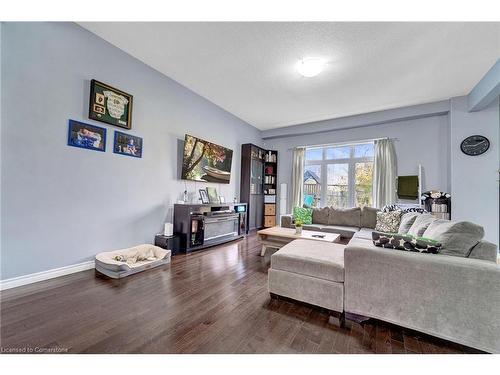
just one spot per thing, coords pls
(172, 243)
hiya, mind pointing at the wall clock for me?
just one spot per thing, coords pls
(475, 145)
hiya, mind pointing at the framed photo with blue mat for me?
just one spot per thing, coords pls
(127, 144)
(86, 136)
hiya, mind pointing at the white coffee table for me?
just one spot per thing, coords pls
(277, 237)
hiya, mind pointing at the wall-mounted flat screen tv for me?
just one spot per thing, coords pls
(205, 161)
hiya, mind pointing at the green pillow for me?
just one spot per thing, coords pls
(303, 214)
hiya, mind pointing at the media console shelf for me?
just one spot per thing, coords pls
(202, 225)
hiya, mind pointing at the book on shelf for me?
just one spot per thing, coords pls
(270, 157)
(269, 180)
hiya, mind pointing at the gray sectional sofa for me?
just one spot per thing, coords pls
(454, 295)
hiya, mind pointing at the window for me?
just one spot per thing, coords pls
(339, 176)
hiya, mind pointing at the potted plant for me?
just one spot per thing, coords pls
(298, 226)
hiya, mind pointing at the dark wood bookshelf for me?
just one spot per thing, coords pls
(255, 188)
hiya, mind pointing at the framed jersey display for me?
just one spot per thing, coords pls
(110, 105)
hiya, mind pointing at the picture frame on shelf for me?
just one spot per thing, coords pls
(110, 105)
(86, 136)
(212, 194)
(127, 144)
(204, 196)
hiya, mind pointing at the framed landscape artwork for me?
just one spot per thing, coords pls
(110, 105)
(127, 144)
(206, 161)
(86, 136)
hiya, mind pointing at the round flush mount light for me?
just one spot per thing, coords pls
(310, 66)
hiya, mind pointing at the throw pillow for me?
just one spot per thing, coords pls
(407, 221)
(420, 224)
(458, 238)
(390, 207)
(395, 207)
(427, 245)
(414, 209)
(406, 242)
(388, 221)
(302, 214)
(392, 240)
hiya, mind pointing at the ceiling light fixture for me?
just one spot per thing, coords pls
(310, 66)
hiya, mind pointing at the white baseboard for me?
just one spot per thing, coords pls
(45, 275)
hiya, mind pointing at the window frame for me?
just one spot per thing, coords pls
(351, 173)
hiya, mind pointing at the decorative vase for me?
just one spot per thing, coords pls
(298, 230)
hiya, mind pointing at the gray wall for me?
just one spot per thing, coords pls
(474, 179)
(419, 141)
(60, 204)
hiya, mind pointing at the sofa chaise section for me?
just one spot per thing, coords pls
(450, 297)
(311, 272)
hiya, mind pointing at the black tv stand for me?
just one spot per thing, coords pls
(203, 225)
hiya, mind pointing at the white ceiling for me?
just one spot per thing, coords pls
(249, 68)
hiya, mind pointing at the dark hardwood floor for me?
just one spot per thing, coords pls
(212, 301)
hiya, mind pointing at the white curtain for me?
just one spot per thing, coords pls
(298, 176)
(384, 173)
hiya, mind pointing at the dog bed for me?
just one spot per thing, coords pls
(107, 264)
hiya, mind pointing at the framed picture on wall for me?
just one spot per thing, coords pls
(127, 144)
(110, 105)
(86, 136)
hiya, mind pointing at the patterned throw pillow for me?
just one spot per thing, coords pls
(388, 221)
(427, 245)
(395, 207)
(405, 242)
(303, 214)
(390, 207)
